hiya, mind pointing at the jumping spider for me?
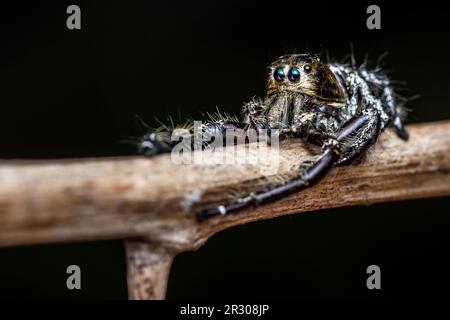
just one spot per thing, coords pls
(341, 107)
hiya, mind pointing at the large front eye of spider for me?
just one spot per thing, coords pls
(294, 75)
(278, 74)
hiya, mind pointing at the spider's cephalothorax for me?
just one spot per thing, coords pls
(341, 107)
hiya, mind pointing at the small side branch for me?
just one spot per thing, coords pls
(148, 270)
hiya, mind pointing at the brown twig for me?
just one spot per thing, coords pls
(154, 199)
(148, 269)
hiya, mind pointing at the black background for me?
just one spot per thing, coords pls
(75, 93)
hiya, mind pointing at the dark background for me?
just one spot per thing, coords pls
(75, 93)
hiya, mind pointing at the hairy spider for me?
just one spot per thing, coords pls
(341, 107)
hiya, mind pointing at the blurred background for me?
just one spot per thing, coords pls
(70, 94)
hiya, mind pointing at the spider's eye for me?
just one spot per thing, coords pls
(294, 75)
(307, 68)
(278, 74)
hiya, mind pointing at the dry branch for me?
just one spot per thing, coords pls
(136, 197)
(110, 198)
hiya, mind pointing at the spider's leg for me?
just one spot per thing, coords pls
(309, 172)
(154, 142)
(393, 104)
(395, 108)
(307, 177)
(219, 125)
(354, 143)
(163, 140)
(400, 128)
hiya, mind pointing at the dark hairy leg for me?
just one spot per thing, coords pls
(354, 143)
(163, 140)
(394, 104)
(308, 174)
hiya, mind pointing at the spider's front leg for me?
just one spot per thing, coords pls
(350, 141)
(163, 140)
(218, 126)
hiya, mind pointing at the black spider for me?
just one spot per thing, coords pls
(341, 107)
